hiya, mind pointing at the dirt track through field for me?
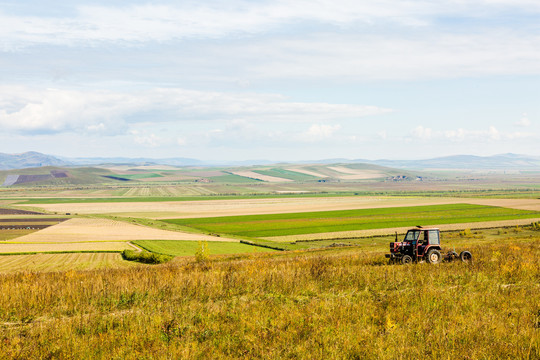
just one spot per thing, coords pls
(83, 230)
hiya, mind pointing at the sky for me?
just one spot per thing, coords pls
(276, 80)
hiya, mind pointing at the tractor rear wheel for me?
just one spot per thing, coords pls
(406, 259)
(465, 256)
(434, 256)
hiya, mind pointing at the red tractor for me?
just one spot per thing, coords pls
(422, 244)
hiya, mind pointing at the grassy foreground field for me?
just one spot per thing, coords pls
(346, 220)
(61, 262)
(336, 304)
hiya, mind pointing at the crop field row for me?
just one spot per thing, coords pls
(14, 233)
(14, 247)
(59, 262)
(346, 220)
(81, 230)
(188, 248)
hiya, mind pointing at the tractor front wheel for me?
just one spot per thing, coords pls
(406, 259)
(434, 256)
(465, 256)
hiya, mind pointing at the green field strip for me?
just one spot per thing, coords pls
(286, 174)
(188, 248)
(37, 201)
(349, 220)
(139, 176)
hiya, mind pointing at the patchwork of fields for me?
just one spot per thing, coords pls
(349, 220)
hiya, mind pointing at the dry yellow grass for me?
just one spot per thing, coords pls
(59, 262)
(82, 230)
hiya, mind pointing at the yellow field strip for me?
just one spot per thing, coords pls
(88, 230)
(355, 174)
(209, 208)
(254, 175)
(83, 246)
(399, 230)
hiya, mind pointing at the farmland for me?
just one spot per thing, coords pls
(347, 220)
(329, 294)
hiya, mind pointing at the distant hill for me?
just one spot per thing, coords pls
(135, 161)
(467, 162)
(29, 159)
(52, 175)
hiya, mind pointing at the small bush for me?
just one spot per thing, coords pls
(465, 233)
(202, 254)
(145, 257)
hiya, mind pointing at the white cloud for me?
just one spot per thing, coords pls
(181, 141)
(49, 110)
(318, 132)
(394, 56)
(166, 22)
(150, 140)
(493, 133)
(524, 121)
(421, 133)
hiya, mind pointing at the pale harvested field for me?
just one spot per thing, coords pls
(60, 262)
(141, 167)
(14, 247)
(307, 172)
(521, 204)
(356, 174)
(209, 208)
(83, 230)
(254, 175)
(399, 230)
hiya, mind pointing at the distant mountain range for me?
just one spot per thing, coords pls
(28, 160)
(466, 162)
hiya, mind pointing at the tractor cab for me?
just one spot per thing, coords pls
(417, 245)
